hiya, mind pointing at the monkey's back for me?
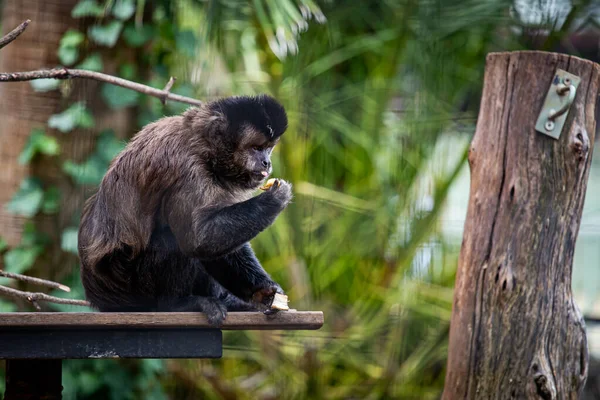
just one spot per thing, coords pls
(126, 260)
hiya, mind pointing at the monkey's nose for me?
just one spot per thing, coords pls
(266, 163)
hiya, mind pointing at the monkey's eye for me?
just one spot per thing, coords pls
(257, 148)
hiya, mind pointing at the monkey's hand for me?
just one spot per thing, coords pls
(263, 296)
(280, 192)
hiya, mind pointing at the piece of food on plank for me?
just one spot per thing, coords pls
(280, 302)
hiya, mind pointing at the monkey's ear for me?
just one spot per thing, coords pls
(205, 119)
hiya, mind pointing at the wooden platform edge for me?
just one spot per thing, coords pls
(284, 320)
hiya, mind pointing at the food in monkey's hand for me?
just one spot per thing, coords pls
(280, 302)
(269, 183)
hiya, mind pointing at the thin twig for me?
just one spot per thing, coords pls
(33, 298)
(37, 281)
(64, 73)
(12, 35)
(167, 89)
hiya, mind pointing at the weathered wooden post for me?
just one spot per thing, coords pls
(516, 332)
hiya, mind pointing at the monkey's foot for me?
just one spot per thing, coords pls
(215, 310)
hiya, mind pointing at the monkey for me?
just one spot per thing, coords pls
(169, 226)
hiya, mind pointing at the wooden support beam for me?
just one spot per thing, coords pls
(78, 343)
(515, 331)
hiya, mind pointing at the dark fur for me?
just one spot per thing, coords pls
(169, 227)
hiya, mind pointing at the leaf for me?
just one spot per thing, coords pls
(87, 8)
(123, 9)
(68, 55)
(31, 237)
(92, 63)
(51, 203)
(76, 116)
(90, 172)
(186, 42)
(38, 142)
(44, 85)
(3, 245)
(108, 146)
(68, 51)
(106, 35)
(118, 97)
(28, 199)
(6, 306)
(136, 37)
(72, 38)
(68, 241)
(127, 71)
(93, 169)
(20, 259)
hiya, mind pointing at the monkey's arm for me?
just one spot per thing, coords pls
(240, 272)
(212, 233)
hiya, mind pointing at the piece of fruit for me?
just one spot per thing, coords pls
(268, 184)
(280, 302)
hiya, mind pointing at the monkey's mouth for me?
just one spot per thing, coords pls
(260, 175)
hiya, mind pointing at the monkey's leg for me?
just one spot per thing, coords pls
(206, 285)
(241, 273)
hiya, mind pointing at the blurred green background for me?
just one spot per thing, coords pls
(382, 99)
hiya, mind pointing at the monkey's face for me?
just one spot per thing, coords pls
(253, 156)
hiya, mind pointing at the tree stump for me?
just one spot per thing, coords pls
(516, 332)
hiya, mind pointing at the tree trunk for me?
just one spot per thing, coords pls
(516, 331)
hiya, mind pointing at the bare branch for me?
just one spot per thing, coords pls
(34, 298)
(37, 281)
(64, 73)
(12, 35)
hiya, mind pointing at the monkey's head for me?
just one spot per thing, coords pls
(239, 134)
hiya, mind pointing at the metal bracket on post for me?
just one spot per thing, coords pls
(558, 101)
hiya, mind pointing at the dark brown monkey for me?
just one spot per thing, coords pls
(169, 227)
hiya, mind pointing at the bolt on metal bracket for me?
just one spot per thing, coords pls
(558, 101)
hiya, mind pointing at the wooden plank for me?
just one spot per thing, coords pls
(77, 343)
(285, 320)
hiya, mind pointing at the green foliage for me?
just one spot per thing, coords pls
(92, 63)
(87, 8)
(44, 85)
(106, 35)
(27, 201)
(22, 257)
(117, 97)
(112, 380)
(68, 240)
(92, 170)
(186, 42)
(76, 116)
(138, 36)
(123, 9)
(51, 202)
(38, 143)
(68, 51)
